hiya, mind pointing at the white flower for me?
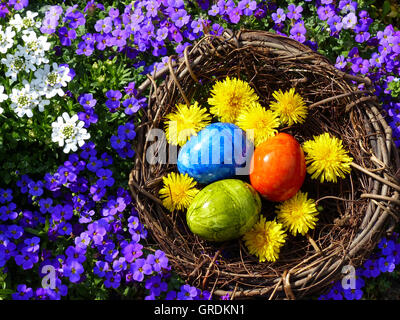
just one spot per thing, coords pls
(16, 63)
(50, 82)
(35, 47)
(3, 97)
(24, 100)
(27, 22)
(6, 39)
(69, 132)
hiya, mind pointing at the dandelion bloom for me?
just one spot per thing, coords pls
(326, 158)
(178, 191)
(289, 106)
(185, 122)
(265, 239)
(298, 214)
(264, 123)
(230, 97)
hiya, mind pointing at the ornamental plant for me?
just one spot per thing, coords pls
(63, 195)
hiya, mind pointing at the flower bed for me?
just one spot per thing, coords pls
(70, 110)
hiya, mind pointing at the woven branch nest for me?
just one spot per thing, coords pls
(358, 210)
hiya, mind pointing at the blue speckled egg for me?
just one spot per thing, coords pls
(219, 151)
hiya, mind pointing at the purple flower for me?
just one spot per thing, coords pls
(336, 292)
(113, 99)
(32, 245)
(352, 294)
(335, 23)
(100, 268)
(75, 254)
(140, 268)
(279, 16)
(61, 212)
(45, 205)
(97, 192)
(88, 150)
(14, 231)
(386, 264)
(158, 260)
(73, 270)
(298, 32)
(117, 142)
(97, 231)
(94, 164)
(83, 240)
(5, 195)
(294, 12)
(119, 265)
(113, 280)
(347, 6)
(235, 14)
(85, 48)
(248, 6)
(86, 100)
(64, 228)
(325, 12)
(88, 117)
(26, 259)
(362, 33)
(131, 106)
(386, 246)
(66, 175)
(360, 65)
(187, 293)
(8, 212)
(155, 285)
(109, 251)
(132, 251)
(127, 131)
(36, 189)
(18, 4)
(66, 36)
(214, 10)
(61, 290)
(341, 62)
(76, 19)
(22, 293)
(104, 25)
(371, 269)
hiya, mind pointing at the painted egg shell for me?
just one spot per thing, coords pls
(219, 151)
(224, 210)
(278, 168)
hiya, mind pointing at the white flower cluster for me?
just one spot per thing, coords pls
(23, 53)
(69, 132)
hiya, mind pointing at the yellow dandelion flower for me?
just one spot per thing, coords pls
(185, 122)
(298, 214)
(178, 191)
(326, 158)
(264, 123)
(229, 97)
(265, 239)
(289, 106)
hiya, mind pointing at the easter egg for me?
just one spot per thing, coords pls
(224, 210)
(278, 168)
(219, 151)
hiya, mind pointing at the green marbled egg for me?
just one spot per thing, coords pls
(224, 210)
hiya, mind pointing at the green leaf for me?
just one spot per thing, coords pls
(386, 8)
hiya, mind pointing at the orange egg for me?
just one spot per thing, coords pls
(278, 168)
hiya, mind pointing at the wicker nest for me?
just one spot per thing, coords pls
(358, 210)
